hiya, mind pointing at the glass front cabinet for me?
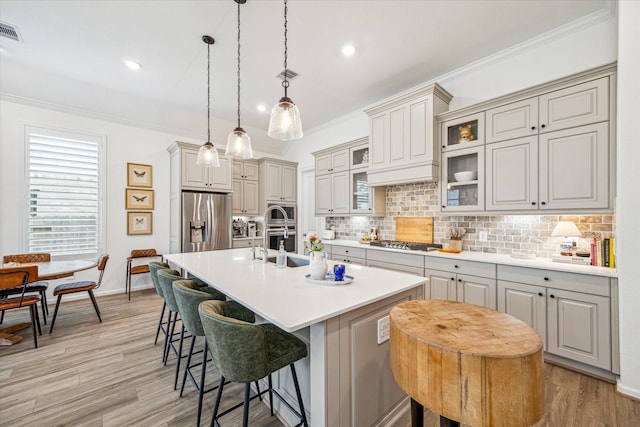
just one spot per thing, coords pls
(462, 142)
(365, 200)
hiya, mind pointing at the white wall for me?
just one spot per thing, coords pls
(123, 144)
(628, 202)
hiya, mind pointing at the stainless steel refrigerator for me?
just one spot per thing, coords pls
(206, 221)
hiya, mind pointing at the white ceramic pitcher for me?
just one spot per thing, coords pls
(318, 265)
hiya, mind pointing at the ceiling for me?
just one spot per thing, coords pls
(72, 53)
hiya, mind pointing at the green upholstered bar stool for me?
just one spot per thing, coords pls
(189, 294)
(244, 352)
(154, 266)
(165, 279)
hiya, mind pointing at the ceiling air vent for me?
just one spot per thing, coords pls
(290, 75)
(10, 31)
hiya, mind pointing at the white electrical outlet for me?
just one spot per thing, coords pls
(483, 235)
(383, 329)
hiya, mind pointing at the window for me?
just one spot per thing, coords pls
(64, 188)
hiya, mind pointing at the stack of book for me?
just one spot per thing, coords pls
(603, 253)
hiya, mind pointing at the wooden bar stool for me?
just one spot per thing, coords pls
(470, 364)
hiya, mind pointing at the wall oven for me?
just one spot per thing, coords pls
(275, 217)
(276, 234)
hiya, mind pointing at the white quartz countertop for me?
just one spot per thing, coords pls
(284, 296)
(544, 263)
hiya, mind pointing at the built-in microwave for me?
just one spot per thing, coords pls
(275, 216)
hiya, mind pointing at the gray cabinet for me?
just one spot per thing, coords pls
(405, 263)
(402, 136)
(349, 254)
(198, 177)
(572, 312)
(342, 186)
(278, 180)
(546, 148)
(245, 187)
(332, 193)
(335, 161)
(467, 281)
(566, 169)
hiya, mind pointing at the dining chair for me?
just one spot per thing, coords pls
(18, 277)
(245, 352)
(133, 268)
(35, 286)
(84, 286)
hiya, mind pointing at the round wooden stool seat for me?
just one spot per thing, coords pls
(470, 364)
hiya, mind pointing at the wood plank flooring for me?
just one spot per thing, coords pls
(110, 374)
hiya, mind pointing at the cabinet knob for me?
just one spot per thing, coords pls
(459, 280)
(539, 294)
(443, 206)
(444, 146)
(543, 203)
(453, 278)
(455, 266)
(546, 279)
(552, 296)
(346, 251)
(533, 128)
(533, 203)
(543, 126)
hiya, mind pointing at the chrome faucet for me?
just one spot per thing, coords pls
(265, 251)
(253, 249)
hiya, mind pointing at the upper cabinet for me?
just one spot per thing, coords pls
(277, 181)
(245, 187)
(196, 177)
(577, 105)
(342, 181)
(402, 136)
(547, 148)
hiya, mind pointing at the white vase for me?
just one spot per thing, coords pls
(318, 265)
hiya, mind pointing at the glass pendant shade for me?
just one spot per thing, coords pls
(239, 144)
(208, 156)
(285, 123)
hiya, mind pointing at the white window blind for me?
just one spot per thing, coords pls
(64, 193)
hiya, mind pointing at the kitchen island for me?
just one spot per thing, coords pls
(346, 379)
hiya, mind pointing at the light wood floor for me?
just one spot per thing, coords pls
(110, 374)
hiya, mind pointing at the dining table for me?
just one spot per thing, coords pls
(50, 270)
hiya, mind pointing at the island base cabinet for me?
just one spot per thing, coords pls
(579, 327)
(359, 388)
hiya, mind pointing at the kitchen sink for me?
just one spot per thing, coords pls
(292, 261)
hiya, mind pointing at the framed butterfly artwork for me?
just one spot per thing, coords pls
(139, 199)
(139, 175)
(139, 223)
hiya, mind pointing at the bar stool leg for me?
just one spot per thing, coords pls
(417, 414)
(164, 306)
(179, 359)
(245, 409)
(202, 375)
(188, 366)
(303, 413)
(217, 405)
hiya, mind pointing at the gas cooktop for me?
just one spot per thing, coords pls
(412, 246)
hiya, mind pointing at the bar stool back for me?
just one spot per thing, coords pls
(245, 352)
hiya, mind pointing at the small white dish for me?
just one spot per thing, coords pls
(329, 279)
(466, 176)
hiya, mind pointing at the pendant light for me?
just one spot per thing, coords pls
(285, 123)
(208, 155)
(238, 141)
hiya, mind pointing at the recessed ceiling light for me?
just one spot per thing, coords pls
(348, 50)
(262, 108)
(133, 65)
